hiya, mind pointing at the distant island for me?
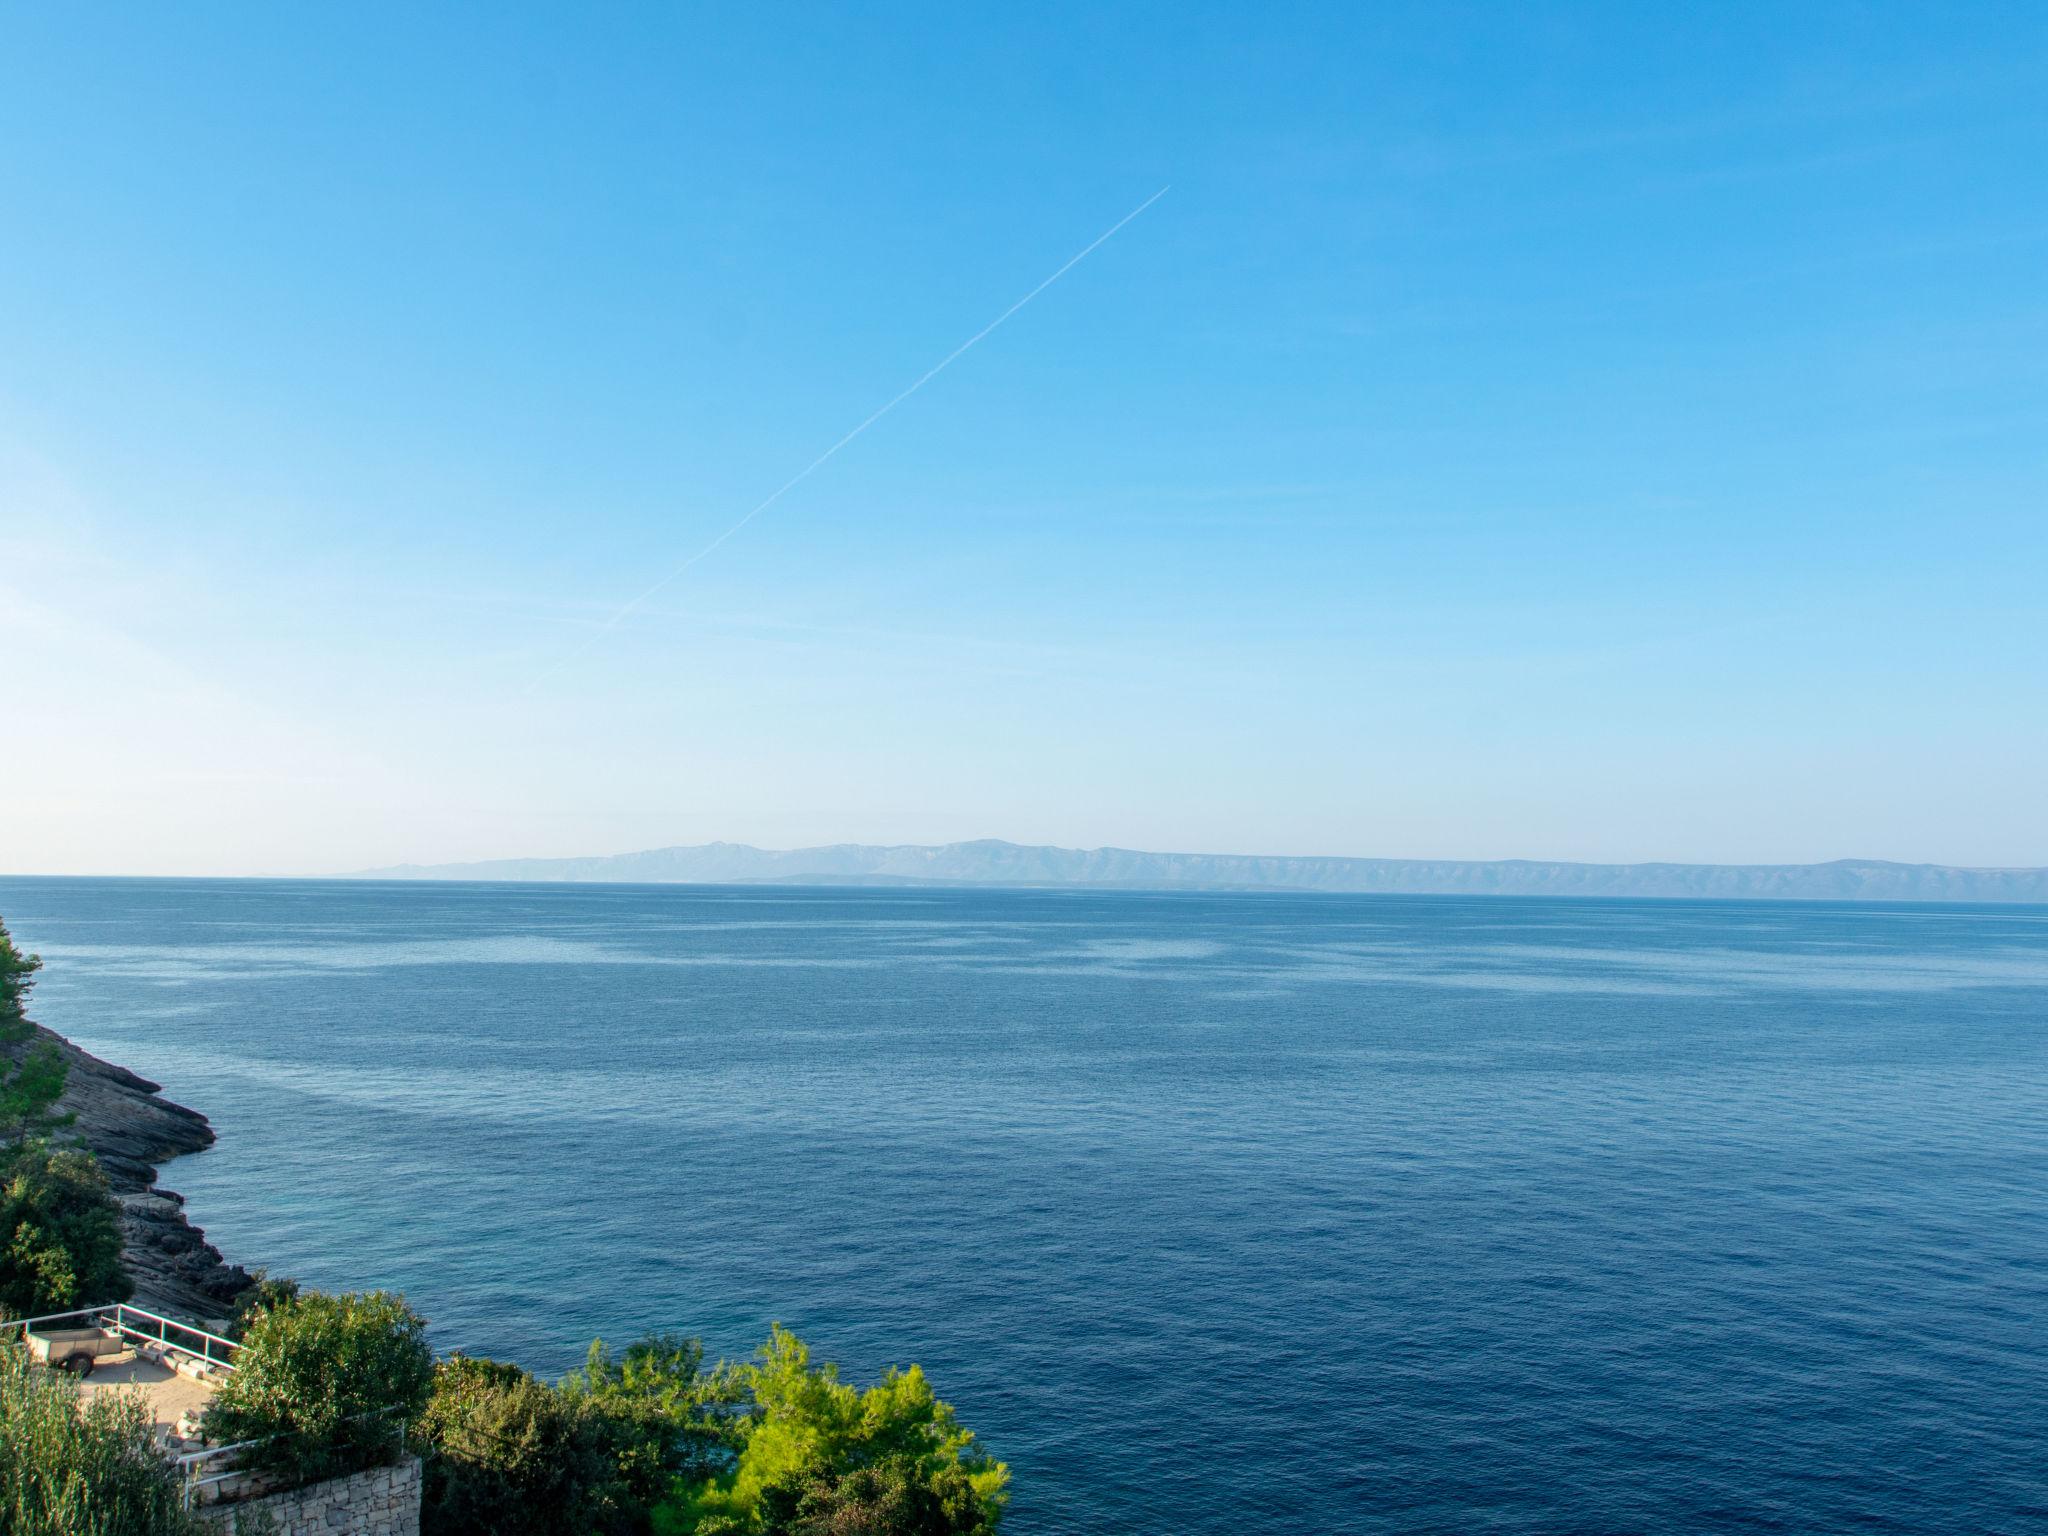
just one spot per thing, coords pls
(994, 863)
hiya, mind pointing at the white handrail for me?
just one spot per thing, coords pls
(160, 1335)
(25, 1323)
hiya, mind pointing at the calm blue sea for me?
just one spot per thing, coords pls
(1245, 1214)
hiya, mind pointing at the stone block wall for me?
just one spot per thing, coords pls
(385, 1501)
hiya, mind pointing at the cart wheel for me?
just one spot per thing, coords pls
(78, 1364)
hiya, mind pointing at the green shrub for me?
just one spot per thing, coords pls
(806, 1437)
(326, 1384)
(264, 1291)
(894, 1497)
(80, 1469)
(509, 1455)
(693, 1414)
(17, 975)
(60, 1231)
(31, 1076)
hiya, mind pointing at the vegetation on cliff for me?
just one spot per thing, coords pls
(509, 1455)
(818, 1455)
(32, 1071)
(662, 1381)
(60, 1231)
(649, 1440)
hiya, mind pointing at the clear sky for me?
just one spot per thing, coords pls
(1552, 431)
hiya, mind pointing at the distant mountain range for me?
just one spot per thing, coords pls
(1009, 864)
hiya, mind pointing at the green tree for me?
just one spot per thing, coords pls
(807, 1432)
(31, 1074)
(509, 1455)
(60, 1231)
(895, 1497)
(80, 1468)
(265, 1290)
(17, 975)
(326, 1384)
(661, 1381)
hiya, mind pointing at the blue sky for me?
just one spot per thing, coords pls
(1571, 431)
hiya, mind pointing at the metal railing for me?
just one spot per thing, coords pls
(143, 1327)
(191, 1462)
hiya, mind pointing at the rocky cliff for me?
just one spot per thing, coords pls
(131, 1128)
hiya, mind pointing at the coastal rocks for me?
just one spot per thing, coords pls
(175, 1269)
(131, 1128)
(122, 1118)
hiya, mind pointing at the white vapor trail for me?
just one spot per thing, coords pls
(626, 608)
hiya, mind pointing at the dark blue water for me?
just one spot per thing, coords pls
(1212, 1213)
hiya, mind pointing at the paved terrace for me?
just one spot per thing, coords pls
(172, 1397)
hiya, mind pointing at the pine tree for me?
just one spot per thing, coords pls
(32, 1072)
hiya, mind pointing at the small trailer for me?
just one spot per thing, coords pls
(73, 1341)
(75, 1350)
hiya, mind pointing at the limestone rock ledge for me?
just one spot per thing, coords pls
(131, 1128)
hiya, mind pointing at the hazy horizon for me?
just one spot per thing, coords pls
(590, 856)
(1599, 435)
(1220, 853)
(995, 864)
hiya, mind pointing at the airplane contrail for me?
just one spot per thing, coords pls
(625, 608)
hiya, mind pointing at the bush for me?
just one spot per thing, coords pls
(660, 1382)
(80, 1469)
(31, 1080)
(60, 1232)
(509, 1455)
(818, 1451)
(327, 1384)
(17, 975)
(895, 1497)
(264, 1291)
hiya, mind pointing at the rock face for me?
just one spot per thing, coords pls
(131, 1128)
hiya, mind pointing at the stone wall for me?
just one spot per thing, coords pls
(384, 1501)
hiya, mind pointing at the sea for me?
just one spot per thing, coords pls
(1226, 1213)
